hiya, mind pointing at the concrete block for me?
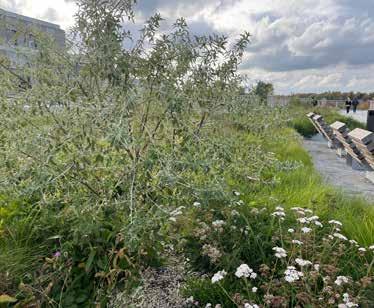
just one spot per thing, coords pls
(362, 135)
(339, 126)
(370, 176)
(310, 115)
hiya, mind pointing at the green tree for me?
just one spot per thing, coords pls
(263, 90)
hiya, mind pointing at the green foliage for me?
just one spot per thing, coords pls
(263, 90)
(108, 146)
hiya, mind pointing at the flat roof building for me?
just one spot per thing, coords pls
(16, 35)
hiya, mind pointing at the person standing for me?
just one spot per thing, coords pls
(348, 104)
(355, 103)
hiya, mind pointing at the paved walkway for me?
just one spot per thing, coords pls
(360, 115)
(335, 171)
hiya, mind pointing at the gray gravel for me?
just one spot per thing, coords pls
(335, 171)
(160, 288)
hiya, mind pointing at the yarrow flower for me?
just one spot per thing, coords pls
(335, 222)
(254, 290)
(246, 305)
(347, 302)
(292, 275)
(302, 262)
(340, 236)
(236, 193)
(280, 252)
(297, 242)
(218, 223)
(291, 230)
(318, 224)
(362, 249)
(196, 204)
(243, 271)
(316, 267)
(306, 230)
(303, 220)
(341, 280)
(279, 214)
(218, 276)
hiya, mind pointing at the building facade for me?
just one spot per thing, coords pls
(17, 39)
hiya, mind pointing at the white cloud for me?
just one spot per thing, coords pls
(300, 45)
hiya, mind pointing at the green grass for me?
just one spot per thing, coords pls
(304, 127)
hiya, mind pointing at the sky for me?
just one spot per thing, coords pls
(298, 45)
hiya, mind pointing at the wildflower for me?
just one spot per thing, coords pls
(297, 242)
(335, 222)
(280, 252)
(341, 280)
(279, 208)
(218, 276)
(209, 305)
(243, 271)
(236, 193)
(303, 220)
(291, 230)
(218, 223)
(316, 267)
(278, 214)
(330, 237)
(173, 219)
(313, 218)
(297, 209)
(306, 230)
(318, 224)
(371, 247)
(353, 242)
(340, 236)
(302, 262)
(254, 290)
(347, 302)
(196, 204)
(291, 274)
(235, 213)
(253, 275)
(212, 252)
(246, 305)
(308, 211)
(362, 249)
(57, 254)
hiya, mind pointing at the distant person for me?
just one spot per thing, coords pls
(355, 103)
(315, 102)
(348, 104)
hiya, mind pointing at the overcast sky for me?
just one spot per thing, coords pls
(299, 45)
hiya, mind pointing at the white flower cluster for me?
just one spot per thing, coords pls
(340, 236)
(341, 280)
(218, 224)
(279, 212)
(251, 306)
(245, 271)
(292, 275)
(297, 242)
(218, 276)
(347, 302)
(336, 223)
(306, 230)
(175, 213)
(280, 252)
(303, 262)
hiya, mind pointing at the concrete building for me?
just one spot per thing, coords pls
(16, 35)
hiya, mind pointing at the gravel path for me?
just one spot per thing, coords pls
(360, 115)
(335, 171)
